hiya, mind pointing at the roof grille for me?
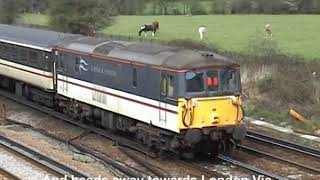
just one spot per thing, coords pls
(206, 54)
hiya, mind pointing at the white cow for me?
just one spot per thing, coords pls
(202, 30)
(268, 29)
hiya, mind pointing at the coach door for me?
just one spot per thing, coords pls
(166, 95)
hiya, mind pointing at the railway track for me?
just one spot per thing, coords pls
(120, 141)
(131, 172)
(40, 159)
(249, 167)
(311, 157)
(209, 173)
(200, 170)
(157, 171)
(284, 144)
(299, 165)
(126, 169)
(138, 147)
(6, 175)
(283, 152)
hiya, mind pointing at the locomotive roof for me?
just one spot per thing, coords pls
(148, 53)
(136, 52)
(35, 38)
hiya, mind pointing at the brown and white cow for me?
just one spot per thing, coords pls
(154, 27)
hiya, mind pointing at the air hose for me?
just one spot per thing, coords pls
(188, 109)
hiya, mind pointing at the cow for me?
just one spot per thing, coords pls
(202, 30)
(154, 27)
(268, 29)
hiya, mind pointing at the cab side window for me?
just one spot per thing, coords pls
(170, 86)
(163, 85)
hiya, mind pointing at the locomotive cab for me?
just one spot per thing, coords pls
(211, 107)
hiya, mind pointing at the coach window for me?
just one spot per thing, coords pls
(134, 77)
(60, 64)
(23, 55)
(13, 52)
(1, 50)
(47, 59)
(5, 54)
(33, 56)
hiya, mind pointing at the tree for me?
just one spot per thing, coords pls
(35, 6)
(164, 5)
(130, 7)
(218, 7)
(79, 16)
(9, 11)
(186, 6)
(196, 8)
(242, 6)
(307, 6)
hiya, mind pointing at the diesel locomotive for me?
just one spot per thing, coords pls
(170, 98)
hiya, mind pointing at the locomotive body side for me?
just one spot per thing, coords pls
(130, 90)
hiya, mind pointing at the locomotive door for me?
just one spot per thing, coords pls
(163, 97)
(166, 94)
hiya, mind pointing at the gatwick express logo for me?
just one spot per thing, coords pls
(81, 65)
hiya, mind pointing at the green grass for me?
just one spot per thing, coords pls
(295, 34)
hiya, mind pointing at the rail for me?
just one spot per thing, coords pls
(249, 167)
(284, 144)
(279, 158)
(126, 169)
(42, 159)
(7, 175)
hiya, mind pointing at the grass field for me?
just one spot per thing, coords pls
(295, 34)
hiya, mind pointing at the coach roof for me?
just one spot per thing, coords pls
(30, 37)
(148, 53)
